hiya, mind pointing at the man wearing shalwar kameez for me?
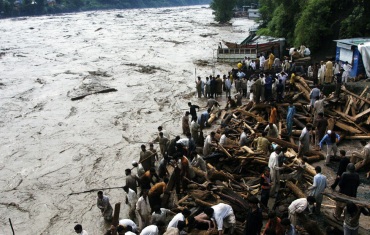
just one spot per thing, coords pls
(289, 118)
(104, 206)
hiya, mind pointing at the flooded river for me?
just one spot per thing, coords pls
(51, 146)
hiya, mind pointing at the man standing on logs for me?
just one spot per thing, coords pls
(290, 118)
(348, 184)
(320, 124)
(274, 171)
(319, 185)
(304, 140)
(265, 183)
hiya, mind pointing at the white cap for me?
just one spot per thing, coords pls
(134, 162)
(329, 132)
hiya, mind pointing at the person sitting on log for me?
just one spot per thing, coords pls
(224, 216)
(298, 206)
(263, 145)
(272, 130)
(273, 164)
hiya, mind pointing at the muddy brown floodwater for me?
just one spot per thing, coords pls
(50, 145)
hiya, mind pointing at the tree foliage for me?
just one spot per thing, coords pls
(311, 22)
(13, 8)
(223, 10)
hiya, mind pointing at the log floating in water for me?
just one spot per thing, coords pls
(94, 92)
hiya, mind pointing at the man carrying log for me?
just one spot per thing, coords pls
(304, 140)
(363, 158)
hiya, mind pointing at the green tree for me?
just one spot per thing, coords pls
(223, 10)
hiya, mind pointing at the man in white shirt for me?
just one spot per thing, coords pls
(143, 210)
(272, 130)
(150, 230)
(128, 222)
(131, 199)
(347, 69)
(208, 143)
(298, 206)
(228, 87)
(198, 162)
(179, 217)
(79, 230)
(243, 137)
(250, 82)
(224, 216)
(274, 171)
(253, 64)
(262, 61)
(223, 139)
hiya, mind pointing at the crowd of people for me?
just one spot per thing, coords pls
(146, 185)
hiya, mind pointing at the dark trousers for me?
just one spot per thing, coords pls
(265, 195)
(193, 117)
(335, 184)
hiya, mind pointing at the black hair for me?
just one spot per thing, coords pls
(318, 169)
(311, 199)
(285, 221)
(78, 227)
(186, 212)
(209, 211)
(100, 193)
(343, 152)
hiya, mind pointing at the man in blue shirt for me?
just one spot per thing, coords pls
(331, 139)
(319, 185)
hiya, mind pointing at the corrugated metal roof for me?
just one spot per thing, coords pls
(353, 41)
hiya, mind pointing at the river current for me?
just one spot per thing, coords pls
(51, 146)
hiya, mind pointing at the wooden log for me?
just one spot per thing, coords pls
(249, 127)
(357, 137)
(296, 191)
(301, 88)
(284, 143)
(361, 114)
(117, 208)
(170, 186)
(344, 198)
(302, 81)
(183, 199)
(353, 94)
(348, 128)
(203, 203)
(331, 123)
(224, 150)
(298, 123)
(93, 92)
(212, 118)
